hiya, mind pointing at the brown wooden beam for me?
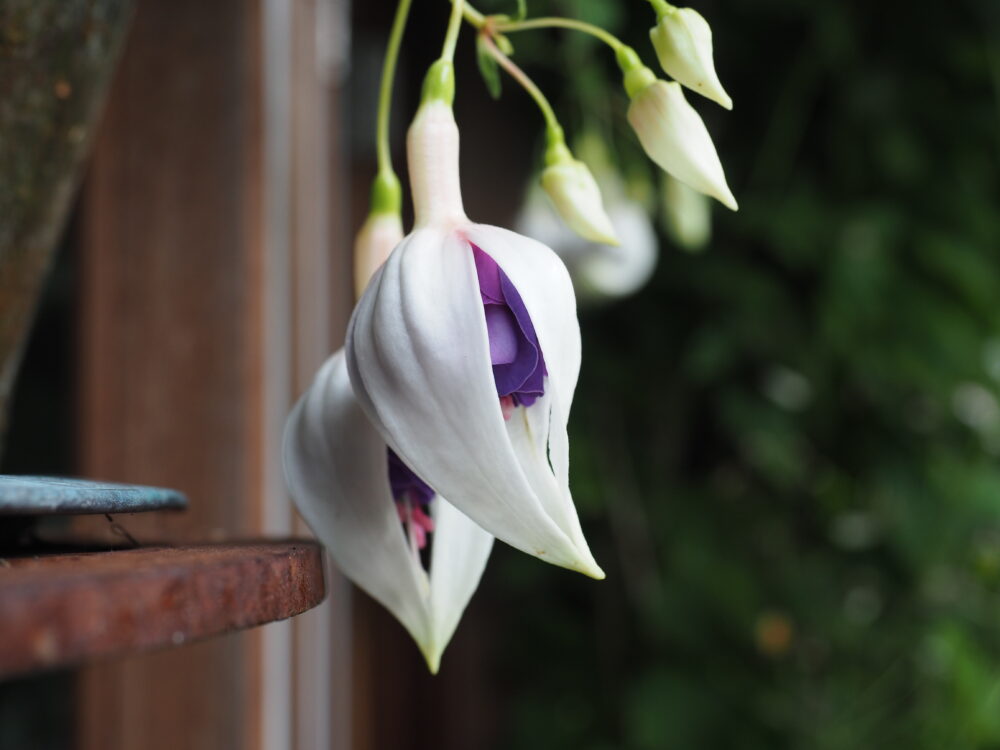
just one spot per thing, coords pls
(169, 330)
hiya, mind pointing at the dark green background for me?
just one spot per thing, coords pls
(786, 449)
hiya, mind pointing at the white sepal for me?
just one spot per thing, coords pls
(380, 233)
(683, 42)
(577, 198)
(336, 468)
(674, 136)
(419, 360)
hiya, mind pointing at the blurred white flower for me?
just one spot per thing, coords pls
(855, 530)
(991, 358)
(687, 214)
(976, 407)
(599, 271)
(787, 388)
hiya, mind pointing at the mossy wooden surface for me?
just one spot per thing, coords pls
(56, 57)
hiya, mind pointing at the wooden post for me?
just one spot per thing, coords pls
(206, 293)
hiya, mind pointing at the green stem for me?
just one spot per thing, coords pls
(553, 129)
(454, 26)
(637, 75)
(382, 197)
(472, 15)
(562, 23)
(439, 83)
(662, 7)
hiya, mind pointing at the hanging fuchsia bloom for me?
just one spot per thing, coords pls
(464, 353)
(377, 518)
(386, 528)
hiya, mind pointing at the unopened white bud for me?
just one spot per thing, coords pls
(576, 196)
(683, 42)
(380, 233)
(674, 136)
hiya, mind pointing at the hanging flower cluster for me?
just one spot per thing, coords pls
(442, 424)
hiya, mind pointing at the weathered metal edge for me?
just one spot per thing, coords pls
(61, 610)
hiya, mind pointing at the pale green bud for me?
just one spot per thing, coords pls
(683, 42)
(674, 136)
(576, 196)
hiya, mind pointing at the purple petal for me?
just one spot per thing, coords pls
(404, 482)
(503, 330)
(518, 364)
(489, 277)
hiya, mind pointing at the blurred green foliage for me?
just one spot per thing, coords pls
(786, 450)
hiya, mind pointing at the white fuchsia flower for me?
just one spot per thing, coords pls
(374, 515)
(683, 42)
(389, 532)
(464, 353)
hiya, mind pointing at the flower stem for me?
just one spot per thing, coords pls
(551, 22)
(554, 131)
(387, 194)
(472, 15)
(454, 25)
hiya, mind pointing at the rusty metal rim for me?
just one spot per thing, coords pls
(61, 610)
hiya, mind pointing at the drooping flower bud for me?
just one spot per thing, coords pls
(576, 196)
(600, 272)
(674, 136)
(380, 233)
(382, 230)
(683, 42)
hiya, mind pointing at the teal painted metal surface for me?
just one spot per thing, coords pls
(44, 496)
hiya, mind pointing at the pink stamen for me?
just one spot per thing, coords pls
(417, 523)
(419, 536)
(507, 407)
(422, 520)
